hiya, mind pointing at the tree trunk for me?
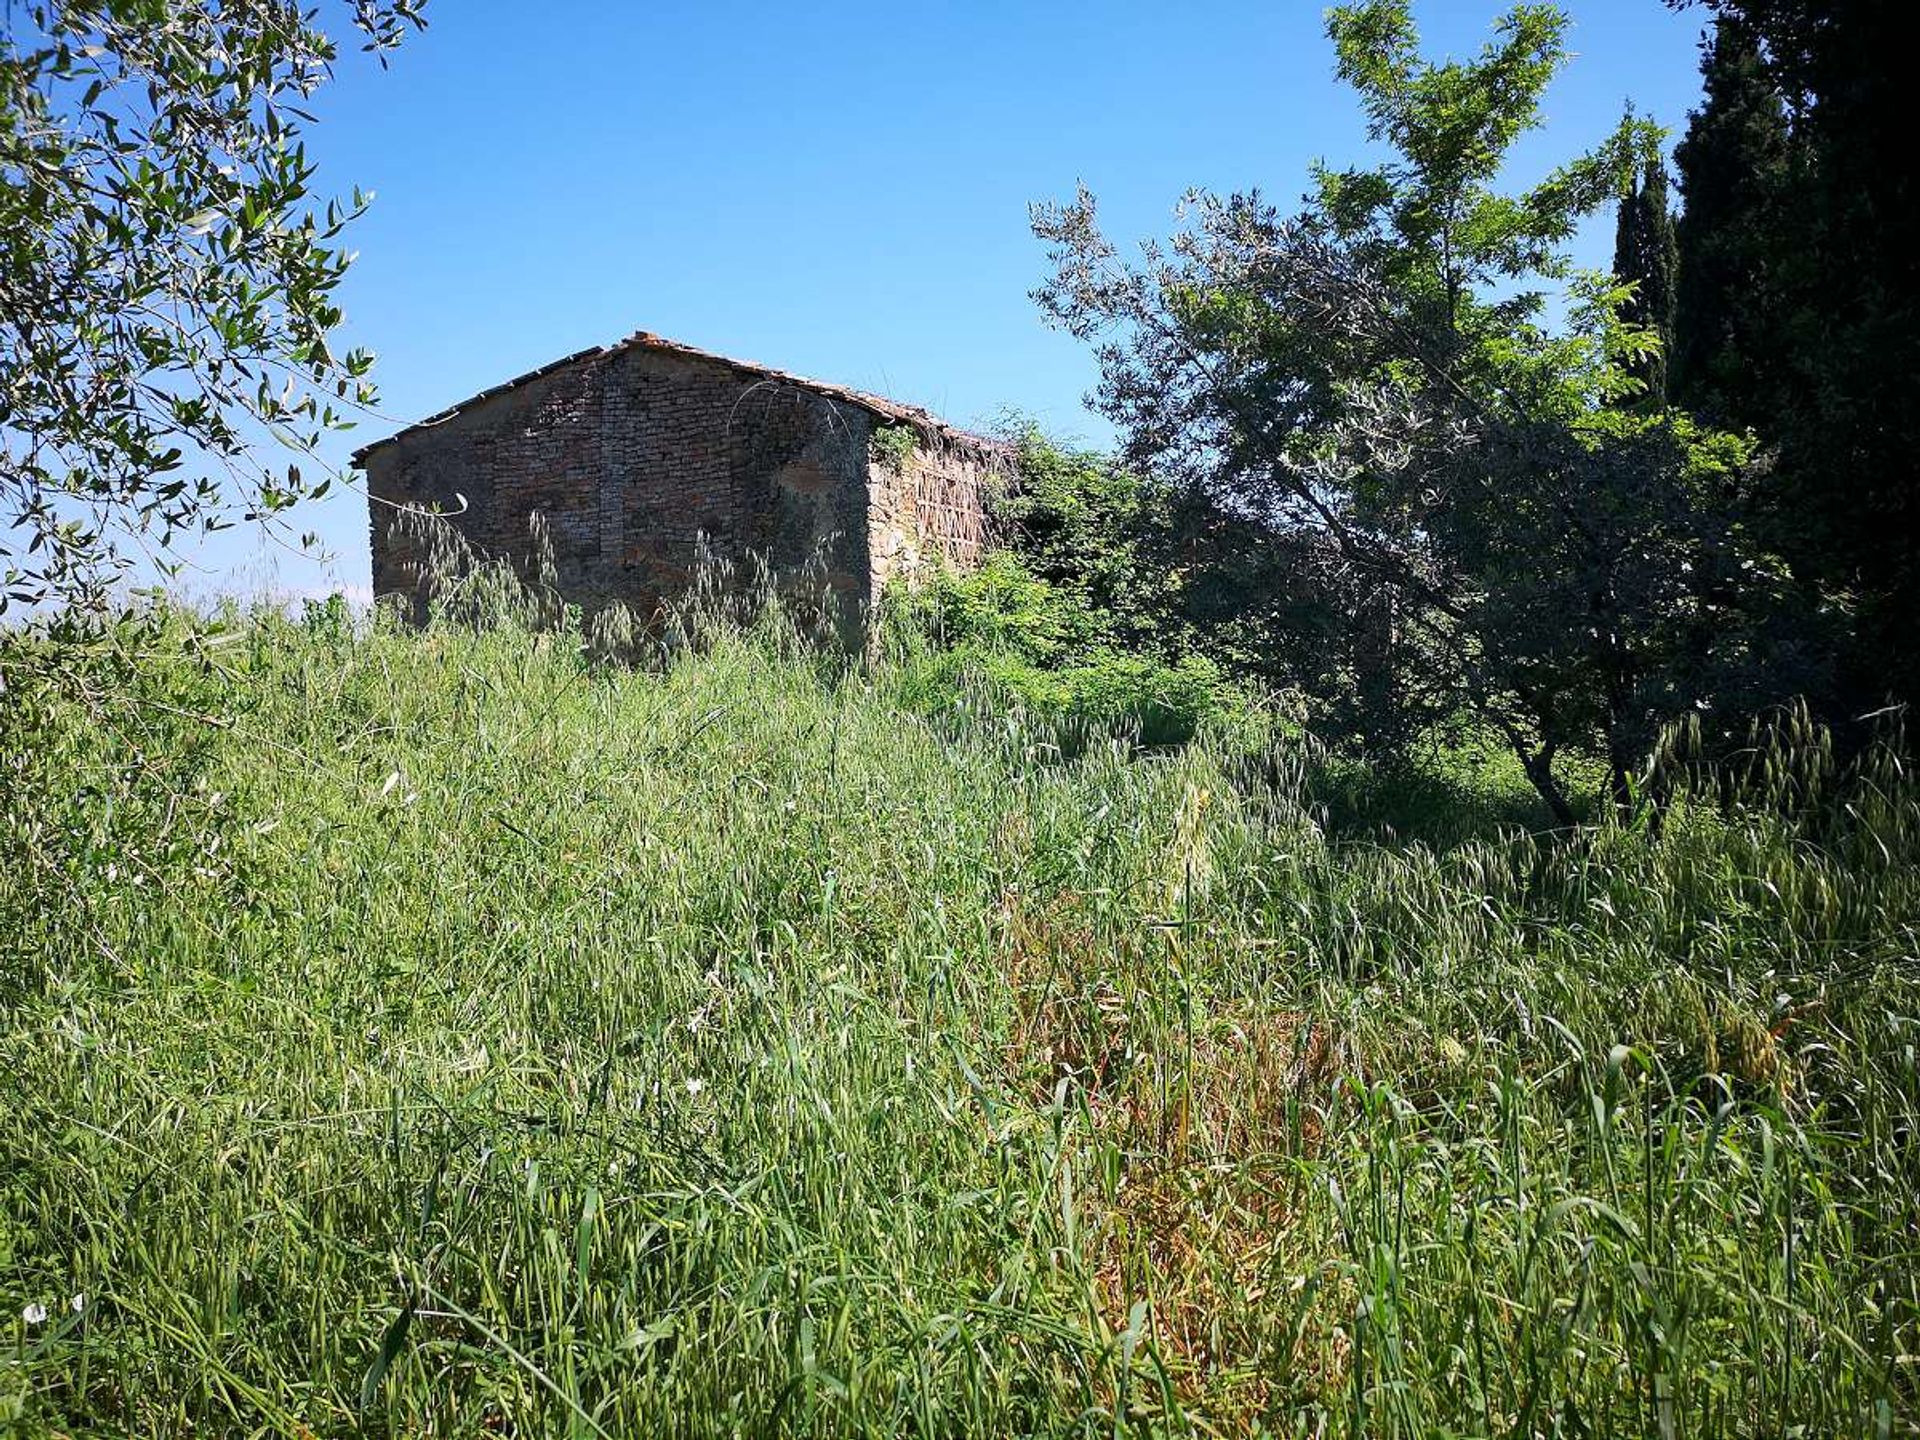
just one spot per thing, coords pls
(1539, 768)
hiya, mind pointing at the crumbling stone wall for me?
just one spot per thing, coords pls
(928, 511)
(635, 456)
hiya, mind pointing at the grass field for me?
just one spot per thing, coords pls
(435, 1034)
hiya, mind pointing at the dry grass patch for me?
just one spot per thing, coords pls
(1199, 1145)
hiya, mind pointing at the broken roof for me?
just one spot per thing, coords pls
(891, 412)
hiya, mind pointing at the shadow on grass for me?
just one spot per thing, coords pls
(1439, 807)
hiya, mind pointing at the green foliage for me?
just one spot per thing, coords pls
(1646, 256)
(1800, 308)
(893, 446)
(1374, 384)
(1096, 532)
(167, 296)
(435, 1033)
(1735, 167)
(1002, 605)
(1000, 636)
(1074, 619)
(1441, 227)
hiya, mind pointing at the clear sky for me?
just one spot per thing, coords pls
(839, 190)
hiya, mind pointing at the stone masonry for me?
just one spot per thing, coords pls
(639, 454)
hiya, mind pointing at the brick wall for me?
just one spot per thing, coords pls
(633, 456)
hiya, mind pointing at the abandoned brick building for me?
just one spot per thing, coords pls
(637, 453)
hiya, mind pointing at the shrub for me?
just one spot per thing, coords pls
(1003, 636)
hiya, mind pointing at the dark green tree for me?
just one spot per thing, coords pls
(1837, 388)
(1735, 167)
(1646, 256)
(167, 277)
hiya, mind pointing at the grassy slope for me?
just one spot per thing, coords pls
(724, 1051)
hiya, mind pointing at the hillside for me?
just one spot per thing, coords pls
(438, 1033)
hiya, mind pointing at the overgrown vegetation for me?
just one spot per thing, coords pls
(1073, 619)
(894, 446)
(436, 1031)
(1306, 940)
(1379, 388)
(1798, 304)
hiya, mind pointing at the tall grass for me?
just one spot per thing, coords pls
(440, 1033)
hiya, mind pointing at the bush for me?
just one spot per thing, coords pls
(1070, 623)
(1003, 637)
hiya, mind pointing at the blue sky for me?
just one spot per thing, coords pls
(838, 190)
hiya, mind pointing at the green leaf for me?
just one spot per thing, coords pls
(390, 1346)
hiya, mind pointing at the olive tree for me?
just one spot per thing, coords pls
(167, 277)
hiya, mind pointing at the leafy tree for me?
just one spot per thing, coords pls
(166, 276)
(1646, 257)
(1374, 382)
(1094, 532)
(1105, 567)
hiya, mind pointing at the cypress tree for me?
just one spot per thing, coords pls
(1646, 255)
(1734, 166)
(1799, 309)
